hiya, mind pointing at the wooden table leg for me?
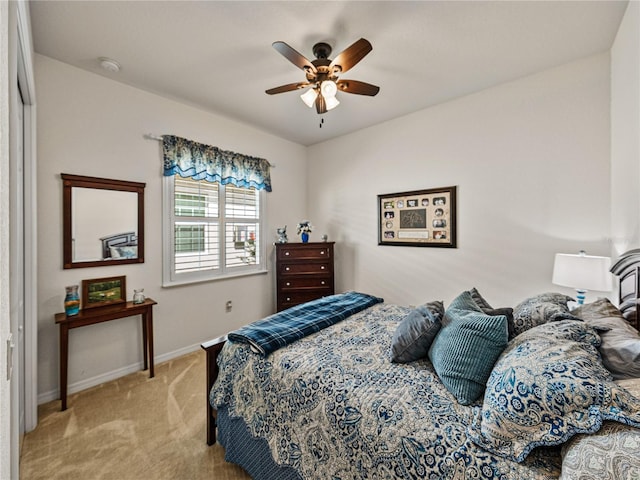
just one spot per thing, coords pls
(64, 359)
(150, 341)
(144, 338)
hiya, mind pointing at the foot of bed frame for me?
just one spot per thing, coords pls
(212, 349)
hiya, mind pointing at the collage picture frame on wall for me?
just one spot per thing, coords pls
(419, 218)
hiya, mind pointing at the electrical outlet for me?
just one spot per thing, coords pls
(229, 306)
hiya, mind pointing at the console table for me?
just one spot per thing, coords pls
(91, 316)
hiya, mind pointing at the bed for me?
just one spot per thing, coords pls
(120, 246)
(388, 391)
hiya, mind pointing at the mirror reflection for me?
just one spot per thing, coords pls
(103, 221)
(105, 224)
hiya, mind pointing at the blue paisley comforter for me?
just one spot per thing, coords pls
(333, 406)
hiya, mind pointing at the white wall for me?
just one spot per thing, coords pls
(90, 125)
(531, 162)
(625, 133)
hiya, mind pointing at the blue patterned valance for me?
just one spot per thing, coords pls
(204, 162)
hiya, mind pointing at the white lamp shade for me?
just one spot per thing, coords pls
(331, 102)
(329, 89)
(309, 97)
(582, 272)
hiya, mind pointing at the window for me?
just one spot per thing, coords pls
(212, 230)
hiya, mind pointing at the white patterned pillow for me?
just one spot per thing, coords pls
(547, 386)
(610, 454)
(540, 309)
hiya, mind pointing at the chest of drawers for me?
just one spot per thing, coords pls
(304, 272)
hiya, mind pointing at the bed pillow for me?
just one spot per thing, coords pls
(540, 309)
(124, 251)
(466, 347)
(601, 308)
(549, 385)
(620, 348)
(489, 310)
(610, 454)
(415, 333)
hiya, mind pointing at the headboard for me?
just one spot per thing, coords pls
(627, 269)
(117, 240)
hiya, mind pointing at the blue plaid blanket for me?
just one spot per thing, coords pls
(282, 328)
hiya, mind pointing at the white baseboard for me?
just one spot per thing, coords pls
(112, 375)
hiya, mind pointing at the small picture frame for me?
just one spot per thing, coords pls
(100, 292)
(420, 218)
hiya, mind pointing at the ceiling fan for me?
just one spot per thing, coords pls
(322, 74)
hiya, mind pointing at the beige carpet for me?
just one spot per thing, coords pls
(134, 428)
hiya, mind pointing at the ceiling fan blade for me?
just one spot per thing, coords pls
(360, 88)
(294, 57)
(287, 88)
(350, 56)
(321, 105)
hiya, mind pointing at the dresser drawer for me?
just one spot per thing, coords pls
(311, 252)
(316, 268)
(295, 298)
(294, 283)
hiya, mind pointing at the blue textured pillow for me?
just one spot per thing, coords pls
(414, 335)
(467, 346)
(489, 310)
(549, 385)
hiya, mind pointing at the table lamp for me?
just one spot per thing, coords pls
(582, 272)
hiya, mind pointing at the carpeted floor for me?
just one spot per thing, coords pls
(134, 428)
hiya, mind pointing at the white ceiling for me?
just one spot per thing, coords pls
(217, 55)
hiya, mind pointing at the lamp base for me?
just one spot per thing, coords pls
(580, 295)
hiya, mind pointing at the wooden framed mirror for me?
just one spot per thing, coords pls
(103, 221)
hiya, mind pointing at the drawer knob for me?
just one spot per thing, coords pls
(322, 252)
(322, 282)
(288, 284)
(287, 269)
(288, 299)
(322, 267)
(286, 253)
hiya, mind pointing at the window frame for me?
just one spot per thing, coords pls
(169, 275)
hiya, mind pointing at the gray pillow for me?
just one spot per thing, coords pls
(620, 348)
(414, 335)
(467, 346)
(540, 309)
(489, 310)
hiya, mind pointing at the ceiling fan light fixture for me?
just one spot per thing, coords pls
(309, 97)
(329, 89)
(331, 102)
(322, 74)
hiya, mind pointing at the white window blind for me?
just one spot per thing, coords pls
(215, 230)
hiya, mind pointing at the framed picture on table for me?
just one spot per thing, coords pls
(99, 292)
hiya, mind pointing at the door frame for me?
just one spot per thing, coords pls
(26, 78)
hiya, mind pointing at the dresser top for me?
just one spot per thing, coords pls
(301, 244)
